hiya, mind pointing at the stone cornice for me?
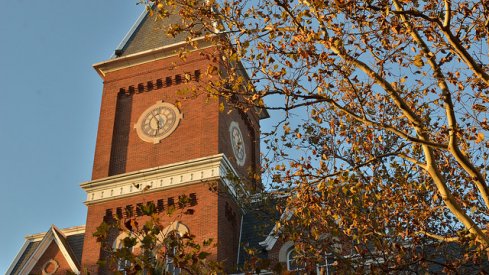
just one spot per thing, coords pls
(215, 167)
(119, 63)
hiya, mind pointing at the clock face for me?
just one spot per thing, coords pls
(158, 122)
(237, 143)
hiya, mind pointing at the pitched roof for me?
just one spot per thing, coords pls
(258, 222)
(69, 241)
(149, 32)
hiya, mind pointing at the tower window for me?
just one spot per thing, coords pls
(197, 75)
(292, 263)
(139, 211)
(129, 211)
(159, 83)
(149, 85)
(108, 215)
(122, 265)
(168, 81)
(119, 212)
(159, 205)
(182, 201)
(131, 89)
(173, 247)
(178, 79)
(193, 199)
(140, 87)
(171, 202)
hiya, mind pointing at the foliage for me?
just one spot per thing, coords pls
(380, 111)
(148, 247)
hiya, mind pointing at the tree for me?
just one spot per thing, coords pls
(146, 245)
(383, 116)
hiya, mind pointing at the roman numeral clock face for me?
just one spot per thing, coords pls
(237, 142)
(158, 122)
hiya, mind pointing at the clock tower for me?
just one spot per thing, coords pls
(154, 135)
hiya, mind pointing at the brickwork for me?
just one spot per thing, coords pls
(273, 254)
(120, 150)
(202, 223)
(203, 131)
(248, 124)
(229, 222)
(52, 252)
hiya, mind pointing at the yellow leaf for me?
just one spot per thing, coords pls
(286, 129)
(480, 137)
(418, 61)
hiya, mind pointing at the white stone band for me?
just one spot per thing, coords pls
(163, 177)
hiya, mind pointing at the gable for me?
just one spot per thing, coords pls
(52, 260)
(55, 250)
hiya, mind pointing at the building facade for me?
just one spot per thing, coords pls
(157, 143)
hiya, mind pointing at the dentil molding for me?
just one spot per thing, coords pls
(215, 167)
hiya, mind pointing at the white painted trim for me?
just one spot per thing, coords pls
(270, 240)
(284, 252)
(66, 231)
(64, 250)
(178, 226)
(178, 174)
(29, 265)
(53, 262)
(166, 51)
(272, 237)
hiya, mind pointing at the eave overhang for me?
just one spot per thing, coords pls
(118, 63)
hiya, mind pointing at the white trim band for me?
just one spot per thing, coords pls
(163, 177)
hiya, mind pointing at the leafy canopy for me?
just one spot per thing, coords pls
(379, 117)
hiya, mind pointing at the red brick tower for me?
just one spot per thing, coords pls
(147, 141)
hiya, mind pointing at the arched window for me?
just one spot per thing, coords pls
(288, 257)
(122, 264)
(291, 260)
(171, 237)
(173, 245)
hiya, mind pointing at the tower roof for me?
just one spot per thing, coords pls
(149, 32)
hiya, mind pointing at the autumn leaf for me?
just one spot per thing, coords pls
(479, 108)
(418, 61)
(480, 137)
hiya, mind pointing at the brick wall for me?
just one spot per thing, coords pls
(250, 129)
(120, 150)
(229, 223)
(203, 223)
(203, 131)
(52, 252)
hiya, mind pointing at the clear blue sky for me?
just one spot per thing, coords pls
(49, 108)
